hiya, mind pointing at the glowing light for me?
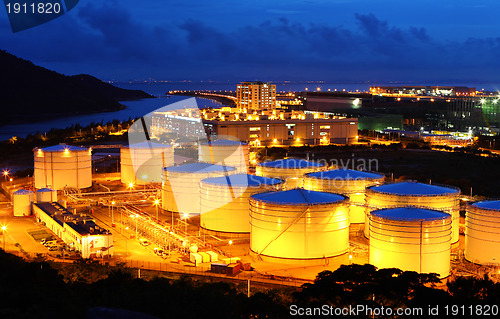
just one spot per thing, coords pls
(130, 185)
(185, 215)
(4, 228)
(5, 173)
(230, 242)
(113, 202)
(157, 201)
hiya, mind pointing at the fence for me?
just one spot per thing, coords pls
(160, 268)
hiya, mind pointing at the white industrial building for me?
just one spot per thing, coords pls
(225, 201)
(348, 182)
(21, 202)
(299, 225)
(63, 166)
(46, 195)
(181, 186)
(411, 239)
(482, 232)
(291, 170)
(225, 152)
(142, 163)
(409, 193)
(77, 231)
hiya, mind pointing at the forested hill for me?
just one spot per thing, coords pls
(29, 92)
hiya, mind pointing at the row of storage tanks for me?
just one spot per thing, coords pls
(141, 163)
(67, 166)
(296, 209)
(219, 189)
(23, 198)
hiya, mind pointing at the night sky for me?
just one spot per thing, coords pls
(330, 40)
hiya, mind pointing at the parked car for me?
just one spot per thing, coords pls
(144, 241)
(50, 243)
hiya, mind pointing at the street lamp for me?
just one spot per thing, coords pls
(6, 173)
(4, 228)
(112, 214)
(157, 202)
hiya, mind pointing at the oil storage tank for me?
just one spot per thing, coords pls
(411, 239)
(225, 152)
(348, 182)
(46, 195)
(63, 166)
(291, 170)
(21, 202)
(142, 163)
(299, 224)
(482, 232)
(226, 201)
(181, 185)
(410, 193)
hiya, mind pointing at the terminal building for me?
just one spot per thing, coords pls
(425, 90)
(78, 231)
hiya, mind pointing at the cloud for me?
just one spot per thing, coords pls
(106, 40)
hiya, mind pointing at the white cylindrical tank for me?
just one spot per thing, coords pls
(225, 152)
(63, 166)
(409, 193)
(299, 224)
(411, 239)
(46, 195)
(21, 201)
(181, 185)
(226, 201)
(347, 182)
(291, 170)
(482, 232)
(142, 163)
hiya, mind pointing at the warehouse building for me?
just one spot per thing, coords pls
(78, 231)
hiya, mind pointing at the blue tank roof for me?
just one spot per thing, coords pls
(42, 190)
(242, 180)
(199, 168)
(291, 163)
(414, 188)
(410, 214)
(344, 174)
(299, 196)
(488, 204)
(224, 142)
(63, 147)
(22, 192)
(148, 144)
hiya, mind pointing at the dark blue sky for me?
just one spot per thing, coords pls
(270, 40)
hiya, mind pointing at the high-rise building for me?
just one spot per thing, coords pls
(256, 95)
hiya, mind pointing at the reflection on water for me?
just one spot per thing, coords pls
(134, 109)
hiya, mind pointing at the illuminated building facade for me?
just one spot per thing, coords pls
(288, 132)
(425, 90)
(77, 231)
(256, 95)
